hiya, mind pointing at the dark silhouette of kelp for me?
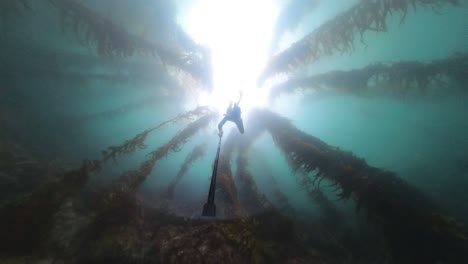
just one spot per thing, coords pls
(198, 152)
(111, 40)
(250, 197)
(439, 77)
(417, 231)
(118, 230)
(338, 34)
(90, 28)
(27, 220)
(133, 179)
(138, 142)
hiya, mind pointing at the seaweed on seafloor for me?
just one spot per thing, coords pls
(439, 77)
(268, 237)
(138, 142)
(24, 222)
(338, 34)
(413, 225)
(245, 234)
(197, 152)
(133, 179)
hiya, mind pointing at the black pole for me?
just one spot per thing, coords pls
(209, 209)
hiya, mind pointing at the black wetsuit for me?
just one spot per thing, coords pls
(233, 113)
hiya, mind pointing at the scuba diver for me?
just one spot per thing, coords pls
(233, 113)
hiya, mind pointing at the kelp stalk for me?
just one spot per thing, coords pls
(439, 77)
(198, 152)
(250, 197)
(133, 179)
(138, 142)
(416, 230)
(338, 34)
(111, 40)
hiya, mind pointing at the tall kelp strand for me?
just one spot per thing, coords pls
(198, 152)
(133, 179)
(108, 114)
(111, 39)
(412, 223)
(443, 77)
(38, 208)
(138, 142)
(338, 35)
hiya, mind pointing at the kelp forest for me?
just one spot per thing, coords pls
(108, 146)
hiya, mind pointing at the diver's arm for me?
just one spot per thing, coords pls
(240, 97)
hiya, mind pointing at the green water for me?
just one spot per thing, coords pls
(57, 117)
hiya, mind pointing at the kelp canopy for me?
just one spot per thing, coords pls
(106, 143)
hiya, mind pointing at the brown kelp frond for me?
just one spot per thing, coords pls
(133, 179)
(259, 239)
(196, 62)
(400, 78)
(353, 81)
(227, 192)
(338, 34)
(406, 215)
(198, 152)
(250, 197)
(138, 142)
(281, 200)
(330, 214)
(246, 235)
(91, 28)
(111, 40)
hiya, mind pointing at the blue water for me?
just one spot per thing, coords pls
(424, 139)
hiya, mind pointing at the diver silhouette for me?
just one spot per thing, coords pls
(233, 114)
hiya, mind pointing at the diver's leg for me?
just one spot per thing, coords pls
(240, 125)
(221, 124)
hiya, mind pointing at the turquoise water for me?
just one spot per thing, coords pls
(58, 102)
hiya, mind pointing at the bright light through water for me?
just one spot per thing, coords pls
(238, 34)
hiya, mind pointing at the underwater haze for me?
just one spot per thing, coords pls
(355, 147)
